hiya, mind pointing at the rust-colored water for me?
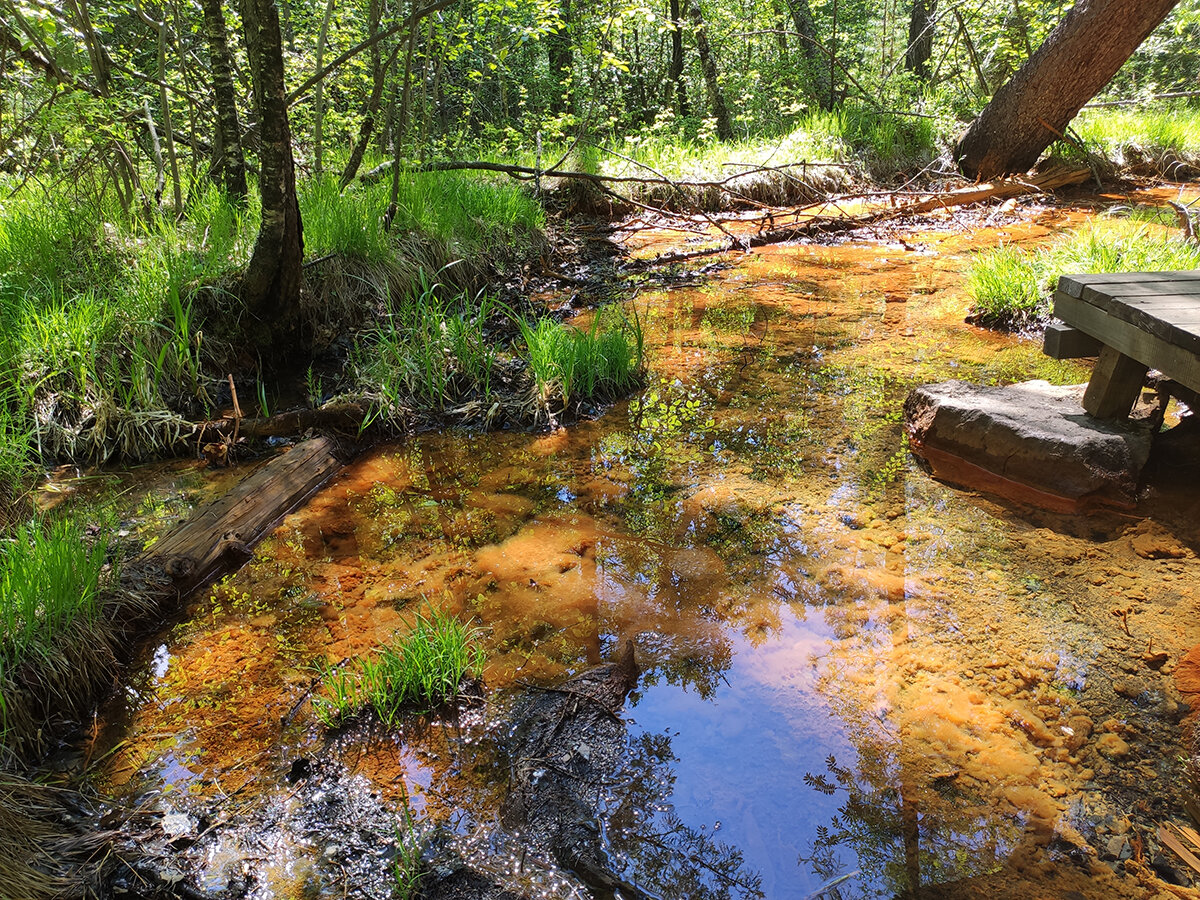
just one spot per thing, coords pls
(851, 669)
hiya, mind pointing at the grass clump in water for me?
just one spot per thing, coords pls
(423, 670)
(571, 365)
(1011, 287)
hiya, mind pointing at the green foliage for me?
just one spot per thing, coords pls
(429, 352)
(407, 870)
(420, 672)
(1162, 137)
(349, 223)
(1012, 287)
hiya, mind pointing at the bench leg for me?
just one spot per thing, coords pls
(1116, 382)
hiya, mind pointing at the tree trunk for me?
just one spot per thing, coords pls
(920, 38)
(560, 58)
(675, 74)
(230, 166)
(708, 66)
(810, 46)
(271, 286)
(1079, 57)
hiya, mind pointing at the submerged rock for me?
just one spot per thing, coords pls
(1030, 442)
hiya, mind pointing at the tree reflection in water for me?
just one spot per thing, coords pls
(658, 851)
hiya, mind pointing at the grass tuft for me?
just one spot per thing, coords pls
(420, 672)
(573, 365)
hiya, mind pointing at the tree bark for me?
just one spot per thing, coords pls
(1079, 57)
(920, 38)
(675, 73)
(230, 167)
(271, 286)
(708, 66)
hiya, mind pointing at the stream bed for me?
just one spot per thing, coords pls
(857, 681)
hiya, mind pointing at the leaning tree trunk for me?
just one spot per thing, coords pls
(1079, 57)
(708, 66)
(920, 38)
(271, 286)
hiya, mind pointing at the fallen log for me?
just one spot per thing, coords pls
(811, 223)
(219, 538)
(43, 696)
(345, 418)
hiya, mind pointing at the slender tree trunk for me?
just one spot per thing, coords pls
(675, 73)
(168, 126)
(810, 49)
(319, 95)
(271, 286)
(560, 59)
(708, 66)
(920, 38)
(230, 165)
(379, 70)
(1079, 57)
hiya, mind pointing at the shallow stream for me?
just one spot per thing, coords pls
(858, 680)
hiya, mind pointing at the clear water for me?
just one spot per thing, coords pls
(857, 679)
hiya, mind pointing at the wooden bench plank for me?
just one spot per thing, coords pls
(1074, 285)
(1172, 325)
(1141, 289)
(1129, 338)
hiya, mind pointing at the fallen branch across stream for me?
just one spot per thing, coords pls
(810, 220)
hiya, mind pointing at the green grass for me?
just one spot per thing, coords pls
(569, 364)
(1011, 287)
(49, 583)
(1163, 136)
(106, 347)
(428, 352)
(407, 869)
(420, 672)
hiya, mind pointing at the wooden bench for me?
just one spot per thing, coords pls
(1131, 322)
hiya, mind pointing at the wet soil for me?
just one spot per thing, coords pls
(858, 682)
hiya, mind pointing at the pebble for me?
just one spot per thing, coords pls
(1129, 688)
(1112, 746)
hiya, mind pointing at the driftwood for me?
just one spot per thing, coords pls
(219, 538)
(809, 220)
(346, 418)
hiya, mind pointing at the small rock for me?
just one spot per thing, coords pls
(1118, 848)
(1155, 660)
(1112, 746)
(1129, 687)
